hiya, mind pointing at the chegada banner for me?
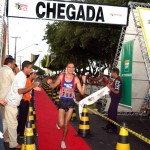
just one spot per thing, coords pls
(126, 73)
(68, 11)
(144, 14)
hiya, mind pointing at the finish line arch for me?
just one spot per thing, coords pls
(62, 11)
(68, 11)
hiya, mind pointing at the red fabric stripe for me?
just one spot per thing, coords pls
(49, 137)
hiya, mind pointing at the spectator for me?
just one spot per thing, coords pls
(102, 79)
(16, 69)
(13, 99)
(24, 105)
(6, 78)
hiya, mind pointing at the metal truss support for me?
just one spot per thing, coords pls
(139, 34)
(133, 6)
(119, 47)
(146, 58)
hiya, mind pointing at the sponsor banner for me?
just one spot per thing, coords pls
(144, 14)
(126, 73)
(91, 99)
(68, 11)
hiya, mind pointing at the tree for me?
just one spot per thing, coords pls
(40, 71)
(82, 44)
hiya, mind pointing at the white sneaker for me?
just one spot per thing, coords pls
(57, 126)
(63, 145)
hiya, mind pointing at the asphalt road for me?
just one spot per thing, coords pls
(100, 140)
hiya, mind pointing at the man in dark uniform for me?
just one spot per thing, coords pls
(115, 94)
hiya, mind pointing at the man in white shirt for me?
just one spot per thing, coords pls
(13, 99)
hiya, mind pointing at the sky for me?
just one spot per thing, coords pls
(29, 33)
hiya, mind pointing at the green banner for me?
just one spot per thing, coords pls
(126, 73)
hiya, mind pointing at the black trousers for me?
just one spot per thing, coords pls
(112, 113)
(22, 117)
(32, 98)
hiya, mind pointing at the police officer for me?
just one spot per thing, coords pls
(115, 94)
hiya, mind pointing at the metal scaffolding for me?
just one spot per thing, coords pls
(139, 34)
(133, 6)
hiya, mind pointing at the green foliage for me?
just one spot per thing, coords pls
(82, 43)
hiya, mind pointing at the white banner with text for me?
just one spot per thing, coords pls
(68, 11)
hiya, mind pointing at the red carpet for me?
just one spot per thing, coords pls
(49, 137)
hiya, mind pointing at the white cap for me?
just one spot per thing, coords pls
(34, 71)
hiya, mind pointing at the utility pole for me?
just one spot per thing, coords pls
(20, 61)
(15, 45)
